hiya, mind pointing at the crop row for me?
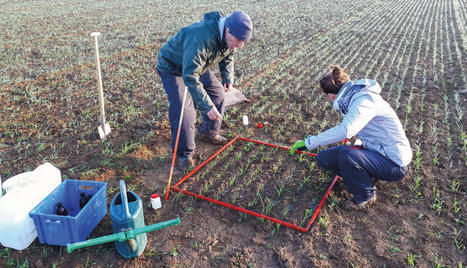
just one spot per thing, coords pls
(263, 179)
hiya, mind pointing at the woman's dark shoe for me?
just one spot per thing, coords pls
(351, 205)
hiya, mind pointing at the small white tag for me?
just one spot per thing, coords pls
(245, 120)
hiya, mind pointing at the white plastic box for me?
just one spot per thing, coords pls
(24, 192)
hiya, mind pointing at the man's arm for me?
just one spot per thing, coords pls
(226, 68)
(193, 62)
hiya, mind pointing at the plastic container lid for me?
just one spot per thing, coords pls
(154, 196)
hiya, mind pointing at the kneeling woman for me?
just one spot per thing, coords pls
(385, 152)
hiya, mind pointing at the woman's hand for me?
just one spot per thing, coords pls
(298, 146)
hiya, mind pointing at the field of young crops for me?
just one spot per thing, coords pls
(416, 50)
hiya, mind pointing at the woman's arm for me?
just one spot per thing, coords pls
(361, 111)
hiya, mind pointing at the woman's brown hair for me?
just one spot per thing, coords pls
(333, 80)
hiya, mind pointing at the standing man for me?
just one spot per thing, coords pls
(186, 61)
(385, 153)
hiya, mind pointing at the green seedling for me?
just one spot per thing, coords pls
(395, 250)
(437, 203)
(269, 206)
(44, 254)
(308, 213)
(232, 181)
(455, 185)
(206, 187)
(260, 188)
(243, 170)
(5, 253)
(173, 252)
(275, 168)
(334, 202)
(418, 161)
(11, 262)
(285, 211)
(458, 242)
(301, 158)
(455, 205)
(437, 206)
(252, 202)
(280, 190)
(278, 225)
(411, 259)
(300, 186)
(234, 197)
(437, 262)
(392, 233)
(323, 222)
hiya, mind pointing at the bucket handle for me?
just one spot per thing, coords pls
(124, 198)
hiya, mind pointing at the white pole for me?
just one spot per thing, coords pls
(99, 78)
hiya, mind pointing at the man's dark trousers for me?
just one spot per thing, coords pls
(357, 167)
(175, 88)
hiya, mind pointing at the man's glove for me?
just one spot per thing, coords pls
(299, 146)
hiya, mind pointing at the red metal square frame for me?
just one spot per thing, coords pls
(290, 225)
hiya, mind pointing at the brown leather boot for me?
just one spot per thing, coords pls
(185, 164)
(214, 139)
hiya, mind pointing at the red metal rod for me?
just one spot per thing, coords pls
(321, 203)
(176, 144)
(205, 162)
(277, 146)
(173, 164)
(241, 209)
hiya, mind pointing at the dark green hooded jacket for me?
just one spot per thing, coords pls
(194, 50)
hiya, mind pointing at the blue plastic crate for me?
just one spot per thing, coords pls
(59, 230)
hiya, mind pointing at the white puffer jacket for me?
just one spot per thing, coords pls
(371, 118)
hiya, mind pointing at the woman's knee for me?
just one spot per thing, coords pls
(348, 157)
(326, 159)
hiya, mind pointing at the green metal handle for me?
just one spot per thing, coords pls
(96, 241)
(122, 236)
(145, 229)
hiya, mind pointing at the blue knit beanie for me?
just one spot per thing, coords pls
(239, 25)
